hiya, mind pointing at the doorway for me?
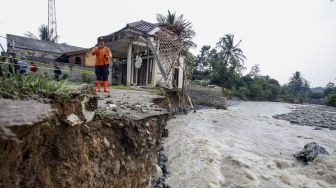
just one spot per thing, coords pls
(142, 73)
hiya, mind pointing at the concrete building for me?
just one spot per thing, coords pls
(136, 39)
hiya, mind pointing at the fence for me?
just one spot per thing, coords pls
(71, 71)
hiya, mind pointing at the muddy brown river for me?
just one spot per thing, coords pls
(245, 146)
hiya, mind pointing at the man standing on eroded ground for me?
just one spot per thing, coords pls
(103, 57)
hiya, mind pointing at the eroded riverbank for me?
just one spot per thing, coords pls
(245, 146)
(93, 140)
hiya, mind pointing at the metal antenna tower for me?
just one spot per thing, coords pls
(52, 26)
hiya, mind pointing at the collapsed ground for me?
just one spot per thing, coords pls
(105, 140)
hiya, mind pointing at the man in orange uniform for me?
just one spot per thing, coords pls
(103, 56)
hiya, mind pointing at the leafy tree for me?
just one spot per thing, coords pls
(43, 34)
(202, 65)
(255, 71)
(178, 25)
(190, 61)
(330, 88)
(264, 88)
(331, 100)
(256, 90)
(202, 59)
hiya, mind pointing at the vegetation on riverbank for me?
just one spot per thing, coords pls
(330, 94)
(224, 66)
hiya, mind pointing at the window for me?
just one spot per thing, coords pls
(78, 61)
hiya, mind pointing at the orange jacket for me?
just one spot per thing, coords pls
(103, 55)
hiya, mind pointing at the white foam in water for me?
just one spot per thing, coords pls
(245, 147)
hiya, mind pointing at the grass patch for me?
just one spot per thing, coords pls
(19, 86)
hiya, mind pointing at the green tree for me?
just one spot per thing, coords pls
(202, 59)
(264, 88)
(228, 63)
(231, 53)
(43, 34)
(190, 61)
(255, 71)
(331, 100)
(178, 25)
(331, 88)
(297, 84)
(202, 68)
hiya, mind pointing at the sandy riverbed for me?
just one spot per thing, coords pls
(245, 146)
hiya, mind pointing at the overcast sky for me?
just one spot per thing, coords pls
(282, 36)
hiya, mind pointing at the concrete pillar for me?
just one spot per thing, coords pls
(129, 64)
(181, 73)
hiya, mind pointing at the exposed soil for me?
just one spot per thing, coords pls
(117, 147)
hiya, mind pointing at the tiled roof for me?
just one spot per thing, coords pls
(39, 45)
(142, 26)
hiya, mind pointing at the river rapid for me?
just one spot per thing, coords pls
(245, 146)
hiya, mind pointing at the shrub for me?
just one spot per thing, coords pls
(229, 92)
(242, 93)
(331, 100)
(316, 95)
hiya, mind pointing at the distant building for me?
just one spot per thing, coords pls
(37, 50)
(72, 59)
(81, 57)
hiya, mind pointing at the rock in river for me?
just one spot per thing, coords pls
(310, 152)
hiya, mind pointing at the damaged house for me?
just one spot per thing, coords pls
(139, 60)
(37, 50)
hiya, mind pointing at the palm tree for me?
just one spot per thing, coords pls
(179, 26)
(230, 52)
(297, 83)
(43, 34)
(169, 19)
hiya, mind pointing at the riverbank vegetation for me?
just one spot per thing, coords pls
(223, 65)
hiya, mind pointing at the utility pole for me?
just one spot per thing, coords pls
(52, 25)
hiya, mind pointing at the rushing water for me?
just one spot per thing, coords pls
(245, 147)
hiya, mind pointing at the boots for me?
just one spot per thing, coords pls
(98, 82)
(105, 86)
